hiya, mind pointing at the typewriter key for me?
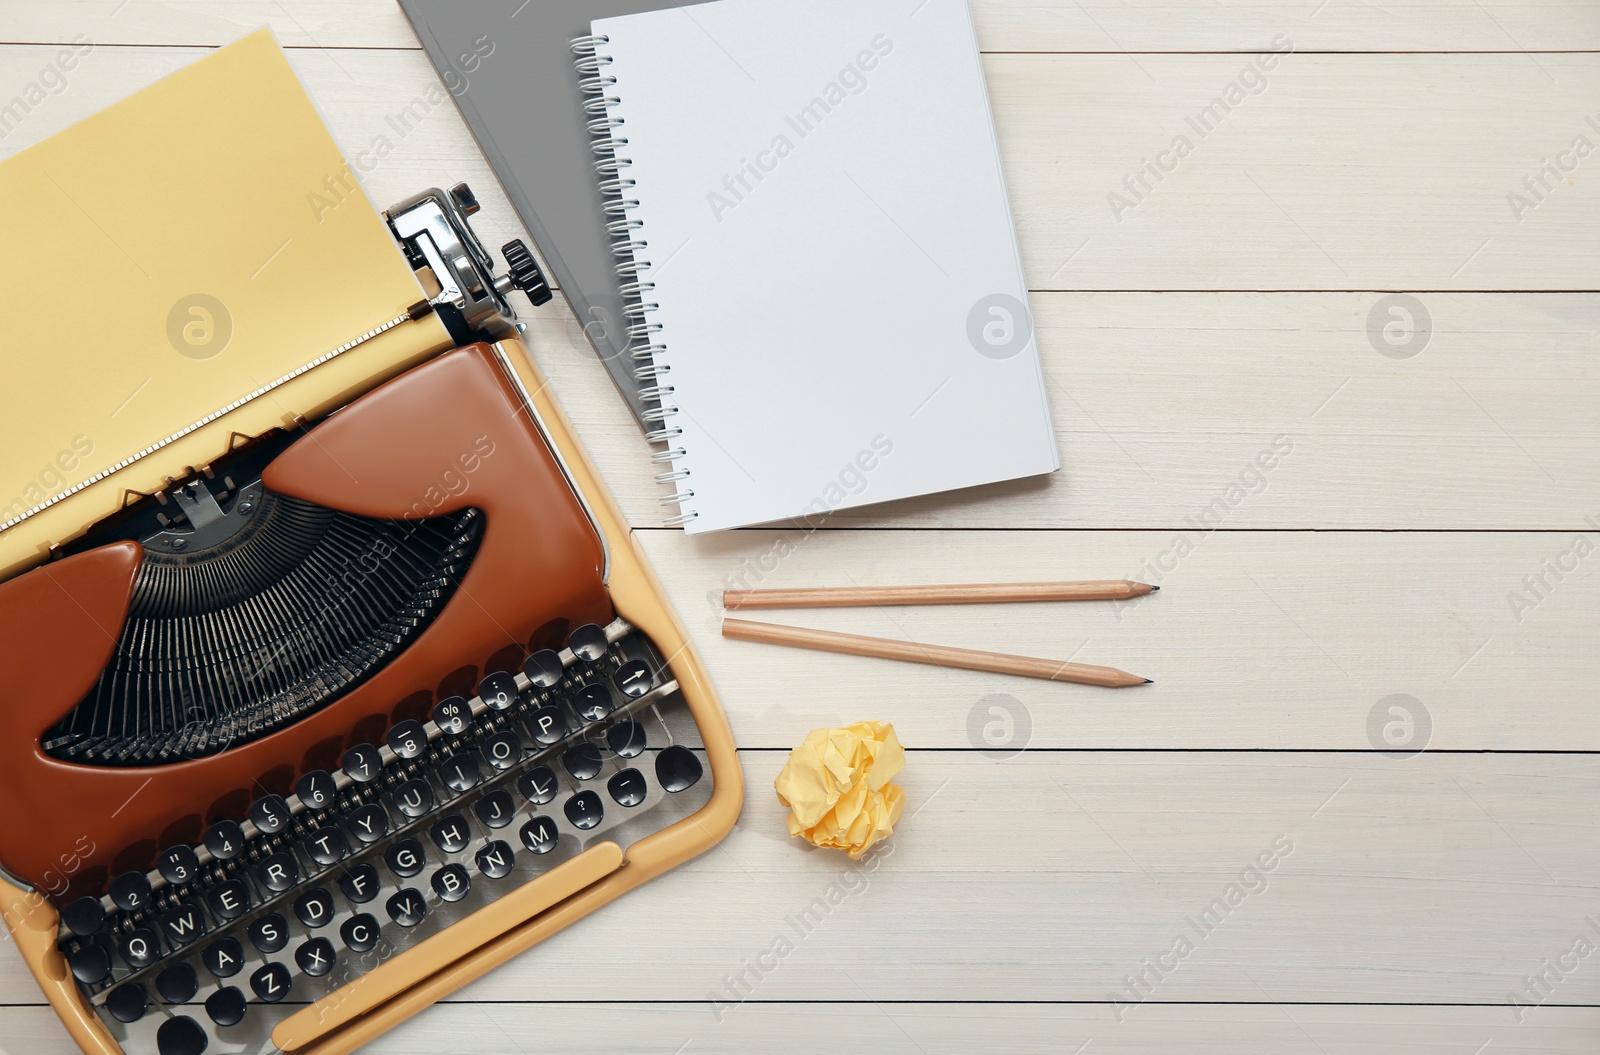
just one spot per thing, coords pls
(495, 809)
(223, 957)
(369, 823)
(461, 773)
(543, 668)
(315, 957)
(359, 883)
(452, 883)
(633, 678)
(584, 810)
(588, 643)
(227, 1006)
(90, 964)
(181, 1035)
(408, 739)
(326, 846)
(178, 864)
(538, 785)
(539, 835)
(130, 891)
(452, 715)
(271, 983)
(314, 908)
(496, 859)
(677, 768)
(225, 840)
(594, 701)
(316, 789)
(269, 814)
(360, 932)
(269, 934)
(407, 908)
(279, 872)
(128, 1002)
(140, 949)
(362, 763)
(452, 834)
(502, 750)
(182, 925)
(229, 900)
(84, 917)
(627, 739)
(583, 761)
(414, 797)
(547, 726)
(405, 858)
(178, 984)
(628, 787)
(499, 691)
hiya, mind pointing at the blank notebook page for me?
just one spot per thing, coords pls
(837, 282)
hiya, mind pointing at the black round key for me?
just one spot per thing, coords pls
(583, 762)
(452, 834)
(677, 768)
(178, 864)
(407, 908)
(224, 957)
(140, 948)
(269, 934)
(229, 900)
(326, 846)
(269, 814)
(628, 787)
(627, 739)
(452, 715)
(538, 785)
(584, 810)
(271, 983)
(317, 789)
(594, 701)
(588, 643)
(496, 809)
(84, 917)
(547, 726)
(316, 957)
(540, 835)
(182, 925)
(90, 964)
(496, 859)
(414, 797)
(633, 678)
(407, 739)
(225, 840)
(127, 1002)
(368, 823)
(405, 858)
(502, 750)
(279, 872)
(362, 764)
(178, 984)
(543, 668)
(130, 891)
(461, 772)
(314, 908)
(227, 1006)
(452, 883)
(360, 932)
(499, 691)
(181, 1035)
(360, 883)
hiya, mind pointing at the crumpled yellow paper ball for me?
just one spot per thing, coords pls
(836, 785)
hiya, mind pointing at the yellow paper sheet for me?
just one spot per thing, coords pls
(135, 239)
(836, 785)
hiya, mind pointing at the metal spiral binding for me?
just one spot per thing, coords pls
(645, 344)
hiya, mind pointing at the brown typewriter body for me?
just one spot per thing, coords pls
(470, 430)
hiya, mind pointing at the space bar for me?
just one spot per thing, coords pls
(431, 955)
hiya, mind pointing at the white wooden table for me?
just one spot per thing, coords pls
(1434, 467)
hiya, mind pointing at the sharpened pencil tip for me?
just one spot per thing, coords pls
(1149, 681)
(1153, 589)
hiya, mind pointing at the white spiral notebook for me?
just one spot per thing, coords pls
(825, 292)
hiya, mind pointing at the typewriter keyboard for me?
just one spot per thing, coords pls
(220, 942)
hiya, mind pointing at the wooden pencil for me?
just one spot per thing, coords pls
(953, 593)
(933, 655)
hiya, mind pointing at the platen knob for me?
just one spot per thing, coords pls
(525, 272)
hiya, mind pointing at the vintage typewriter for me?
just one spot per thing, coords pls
(332, 676)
